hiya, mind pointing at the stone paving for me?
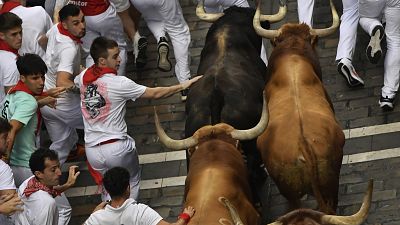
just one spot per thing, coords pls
(356, 107)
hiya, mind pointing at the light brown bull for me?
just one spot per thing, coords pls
(216, 184)
(302, 146)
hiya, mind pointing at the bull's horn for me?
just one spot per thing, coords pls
(208, 17)
(169, 142)
(271, 34)
(255, 131)
(276, 17)
(355, 219)
(232, 211)
(275, 223)
(330, 30)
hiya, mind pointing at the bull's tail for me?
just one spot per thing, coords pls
(216, 104)
(312, 166)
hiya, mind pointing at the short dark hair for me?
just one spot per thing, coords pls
(99, 48)
(115, 181)
(36, 162)
(9, 21)
(5, 126)
(31, 64)
(68, 10)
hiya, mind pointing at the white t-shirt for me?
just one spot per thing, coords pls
(103, 106)
(9, 74)
(39, 208)
(6, 183)
(62, 54)
(35, 22)
(130, 213)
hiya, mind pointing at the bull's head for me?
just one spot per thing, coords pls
(307, 32)
(308, 216)
(212, 17)
(232, 132)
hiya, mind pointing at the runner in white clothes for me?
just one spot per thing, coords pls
(162, 17)
(101, 20)
(347, 42)
(104, 97)
(63, 62)
(10, 42)
(371, 12)
(35, 23)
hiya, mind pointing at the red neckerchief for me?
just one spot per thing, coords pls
(94, 72)
(65, 32)
(8, 6)
(21, 86)
(4, 46)
(34, 185)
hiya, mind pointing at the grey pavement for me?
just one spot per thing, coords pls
(355, 107)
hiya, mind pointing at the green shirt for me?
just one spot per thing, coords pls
(22, 107)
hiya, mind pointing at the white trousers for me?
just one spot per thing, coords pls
(348, 30)
(61, 124)
(216, 6)
(165, 16)
(371, 12)
(121, 153)
(109, 25)
(305, 10)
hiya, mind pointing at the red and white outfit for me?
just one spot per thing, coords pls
(35, 22)
(107, 143)
(9, 75)
(63, 54)
(6, 183)
(165, 16)
(371, 12)
(102, 20)
(42, 205)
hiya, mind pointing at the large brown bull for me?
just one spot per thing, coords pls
(216, 185)
(302, 146)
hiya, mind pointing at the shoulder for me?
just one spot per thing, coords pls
(26, 99)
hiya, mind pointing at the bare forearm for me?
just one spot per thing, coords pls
(163, 92)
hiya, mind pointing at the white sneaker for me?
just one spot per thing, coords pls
(347, 70)
(374, 50)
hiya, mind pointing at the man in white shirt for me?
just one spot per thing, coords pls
(9, 201)
(35, 23)
(63, 62)
(124, 210)
(104, 96)
(10, 42)
(39, 192)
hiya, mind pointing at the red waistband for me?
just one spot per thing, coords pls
(108, 141)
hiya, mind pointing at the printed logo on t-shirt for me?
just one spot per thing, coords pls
(5, 108)
(93, 100)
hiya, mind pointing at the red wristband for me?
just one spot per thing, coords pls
(185, 217)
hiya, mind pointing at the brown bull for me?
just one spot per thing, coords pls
(216, 185)
(302, 146)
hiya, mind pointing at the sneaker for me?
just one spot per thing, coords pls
(374, 50)
(386, 103)
(140, 57)
(184, 94)
(163, 62)
(347, 70)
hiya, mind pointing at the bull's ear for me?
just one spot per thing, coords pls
(314, 40)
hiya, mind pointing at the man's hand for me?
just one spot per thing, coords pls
(73, 174)
(5, 157)
(73, 89)
(49, 101)
(100, 206)
(188, 83)
(189, 210)
(10, 204)
(55, 92)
